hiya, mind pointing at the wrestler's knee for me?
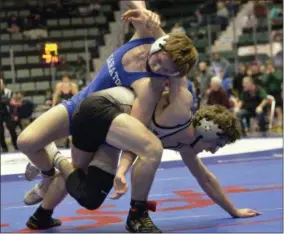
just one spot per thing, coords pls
(89, 191)
(26, 140)
(153, 149)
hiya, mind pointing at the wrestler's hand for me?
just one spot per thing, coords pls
(120, 186)
(246, 213)
(150, 19)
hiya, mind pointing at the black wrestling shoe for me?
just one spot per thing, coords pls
(139, 221)
(33, 223)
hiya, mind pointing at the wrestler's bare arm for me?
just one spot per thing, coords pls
(148, 92)
(207, 181)
(180, 101)
(142, 30)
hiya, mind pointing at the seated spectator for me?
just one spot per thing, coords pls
(178, 28)
(252, 103)
(14, 24)
(35, 27)
(216, 94)
(272, 82)
(219, 64)
(238, 79)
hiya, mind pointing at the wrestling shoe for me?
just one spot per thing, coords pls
(37, 193)
(31, 172)
(139, 221)
(34, 223)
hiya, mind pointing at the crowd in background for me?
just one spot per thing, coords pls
(247, 91)
(34, 26)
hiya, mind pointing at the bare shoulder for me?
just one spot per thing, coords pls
(74, 85)
(58, 85)
(148, 84)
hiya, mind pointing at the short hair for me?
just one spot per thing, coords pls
(182, 51)
(225, 119)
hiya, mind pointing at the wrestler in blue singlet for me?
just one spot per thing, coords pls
(112, 74)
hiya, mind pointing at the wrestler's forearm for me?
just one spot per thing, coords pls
(214, 191)
(176, 85)
(158, 32)
(126, 160)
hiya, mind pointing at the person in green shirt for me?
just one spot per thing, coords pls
(273, 84)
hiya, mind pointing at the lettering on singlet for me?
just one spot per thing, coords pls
(112, 70)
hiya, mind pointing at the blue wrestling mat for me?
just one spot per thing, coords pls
(252, 178)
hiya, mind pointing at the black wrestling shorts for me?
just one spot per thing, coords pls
(91, 121)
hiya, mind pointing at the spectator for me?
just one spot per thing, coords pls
(15, 103)
(252, 103)
(273, 84)
(35, 27)
(232, 6)
(25, 110)
(14, 24)
(5, 117)
(178, 28)
(64, 90)
(222, 15)
(238, 79)
(226, 83)
(219, 64)
(203, 78)
(255, 68)
(276, 15)
(216, 94)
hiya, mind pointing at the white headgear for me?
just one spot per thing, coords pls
(158, 44)
(209, 130)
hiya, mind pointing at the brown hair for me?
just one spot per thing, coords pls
(182, 51)
(225, 119)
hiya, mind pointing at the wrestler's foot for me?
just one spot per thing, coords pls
(33, 223)
(42, 219)
(37, 193)
(139, 221)
(31, 172)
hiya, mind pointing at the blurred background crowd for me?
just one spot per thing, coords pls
(51, 49)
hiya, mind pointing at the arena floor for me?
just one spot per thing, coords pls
(252, 178)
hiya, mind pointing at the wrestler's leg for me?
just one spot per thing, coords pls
(42, 217)
(91, 188)
(51, 125)
(127, 133)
